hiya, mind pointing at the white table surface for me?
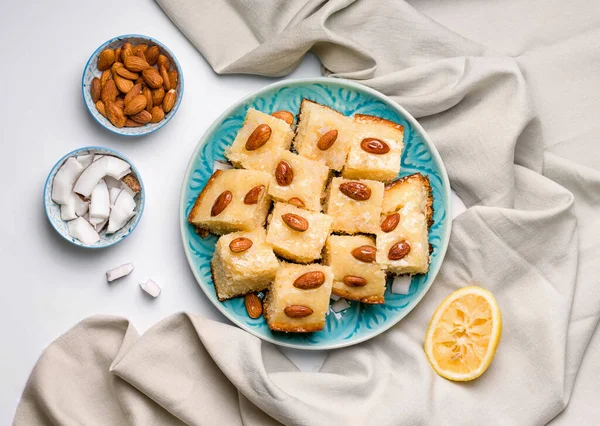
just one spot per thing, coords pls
(48, 284)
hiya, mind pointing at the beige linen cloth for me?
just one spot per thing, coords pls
(510, 98)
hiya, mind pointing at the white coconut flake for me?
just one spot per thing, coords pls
(151, 288)
(334, 297)
(113, 194)
(122, 211)
(63, 182)
(81, 206)
(74, 207)
(119, 272)
(340, 305)
(221, 165)
(83, 231)
(126, 187)
(96, 220)
(105, 166)
(111, 182)
(100, 226)
(85, 159)
(100, 202)
(401, 284)
(98, 156)
(67, 211)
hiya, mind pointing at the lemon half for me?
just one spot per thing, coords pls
(463, 334)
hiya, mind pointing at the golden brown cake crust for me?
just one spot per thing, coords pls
(212, 277)
(425, 181)
(316, 103)
(202, 232)
(286, 328)
(364, 118)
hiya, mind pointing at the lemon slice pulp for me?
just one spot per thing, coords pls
(463, 334)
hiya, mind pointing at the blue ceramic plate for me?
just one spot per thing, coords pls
(91, 70)
(53, 209)
(360, 322)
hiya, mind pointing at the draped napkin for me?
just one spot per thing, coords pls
(510, 99)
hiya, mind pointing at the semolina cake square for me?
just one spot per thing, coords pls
(316, 121)
(356, 274)
(297, 245)
(375, 149)
(403, 248)
(354, 205)
(298, 299)
(239, 267)
(279, 137)
(230, 190)
(298, 178)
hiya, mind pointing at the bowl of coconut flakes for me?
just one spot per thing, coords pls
(94, 197)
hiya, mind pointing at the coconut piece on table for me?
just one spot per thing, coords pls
(119, 272)
(401, 284)
(151, 288)
(85, 159)
(105, 166)
(62, 185)
(82, 230)
(122, 211)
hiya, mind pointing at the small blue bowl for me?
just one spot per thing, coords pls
(53, 209)
(91, 70)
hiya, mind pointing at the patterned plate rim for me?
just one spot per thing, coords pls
(308, 81)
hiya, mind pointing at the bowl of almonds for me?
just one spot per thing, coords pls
(132, 85)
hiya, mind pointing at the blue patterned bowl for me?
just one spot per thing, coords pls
(53, 209)
(91, 70)
(360, 322)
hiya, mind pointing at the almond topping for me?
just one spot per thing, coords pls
(240, 244)
(390, 222)
(221, 202)
(297, 311)
(284, 175)
(254, 194)
(327, 140)
(356, 190)
(295, 201)
(365, 253)
(286, 116)
(399, 250)
(297, 223)
(374, 146)
(259, 137)
(354, 281)
(253, 305)
(310, 280)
